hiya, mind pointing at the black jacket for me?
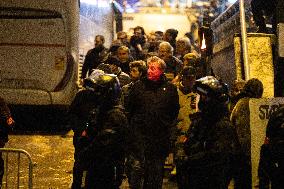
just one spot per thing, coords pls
(106, 152)
(174, 65)
(93, 58)
(110, 139)
(212, 148)
(153, 108)
(210, 141)
(6, 121)
(79, 111)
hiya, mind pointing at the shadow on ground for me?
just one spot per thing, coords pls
(40, 120)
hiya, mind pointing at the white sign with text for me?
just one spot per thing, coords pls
(260, 111)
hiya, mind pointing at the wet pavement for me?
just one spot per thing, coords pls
(52, 157)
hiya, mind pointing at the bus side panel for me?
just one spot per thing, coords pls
(42, 61)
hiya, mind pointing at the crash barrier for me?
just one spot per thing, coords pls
(15, 166)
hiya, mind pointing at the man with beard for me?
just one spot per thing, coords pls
(95, 56)
(137, 42)
(170, 36)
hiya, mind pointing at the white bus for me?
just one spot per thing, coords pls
(38, 51)
(40, 41)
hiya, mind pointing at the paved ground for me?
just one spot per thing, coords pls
(52, 156)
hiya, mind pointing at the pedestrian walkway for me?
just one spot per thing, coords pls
(52, 156)
(18, 168)
(53, 159)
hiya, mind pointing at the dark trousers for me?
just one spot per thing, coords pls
(154, 172)
(207, 177)
(134, 172)
(104, 175)
(182, 174)
(270, 170)
(79, 166)
(146, 172)
(77, 175)
(243, 178)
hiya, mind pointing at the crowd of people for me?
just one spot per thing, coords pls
(150, 95)
(140, 46)
(147, 96)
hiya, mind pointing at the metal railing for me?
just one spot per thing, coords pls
(18, 152)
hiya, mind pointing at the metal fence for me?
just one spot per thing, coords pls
(12, 163)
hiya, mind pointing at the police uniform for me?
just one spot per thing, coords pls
(211, 140)
(99, 133)
(6, 124)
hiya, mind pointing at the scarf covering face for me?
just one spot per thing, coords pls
(154, 71)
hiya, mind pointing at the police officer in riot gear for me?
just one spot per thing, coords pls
(106, 133)
(271, 163)
(93, 116)
(79, 113)
(211, 143)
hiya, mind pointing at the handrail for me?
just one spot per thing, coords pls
(19, 151)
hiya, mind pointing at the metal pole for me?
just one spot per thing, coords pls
(244, 39)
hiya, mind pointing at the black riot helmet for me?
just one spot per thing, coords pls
(105, 86)
(213, 93)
